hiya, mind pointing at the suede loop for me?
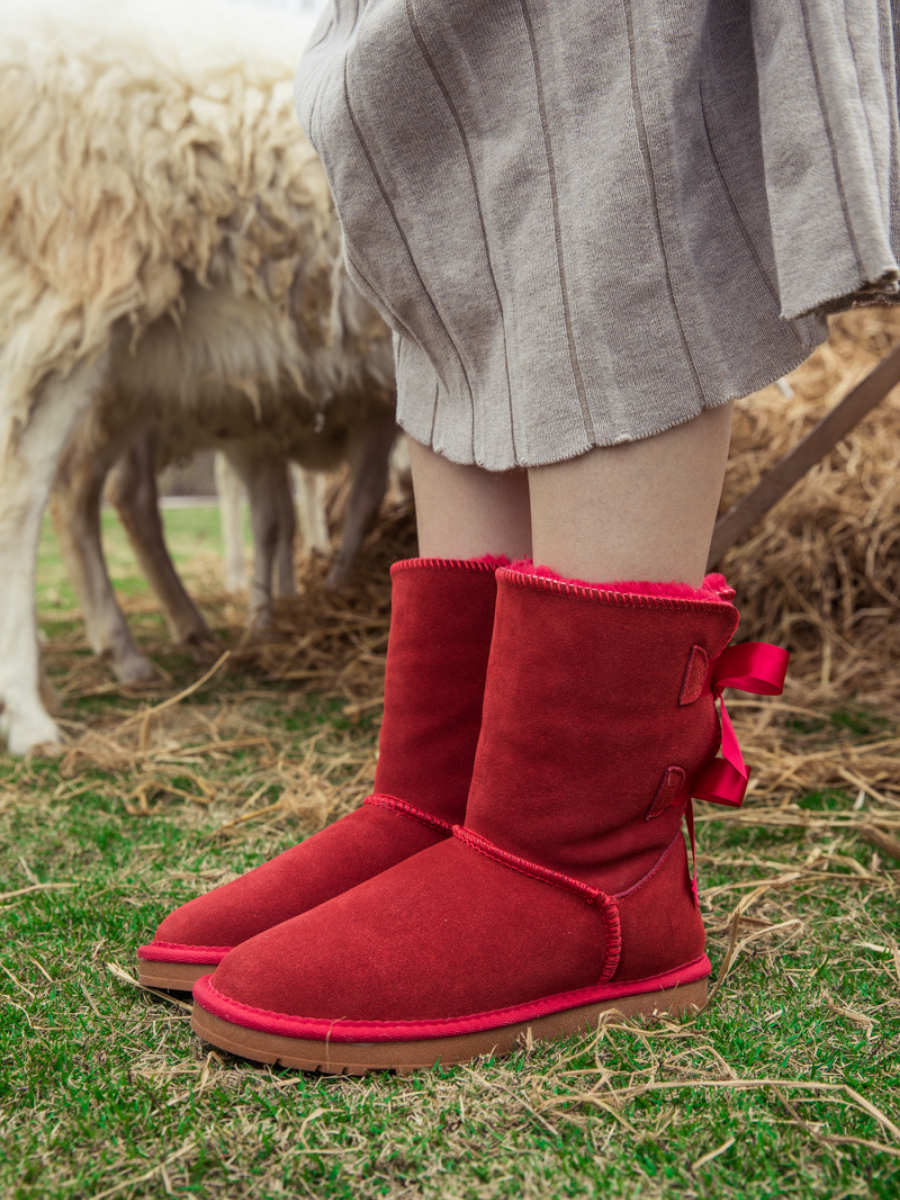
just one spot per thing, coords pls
(671, 792)
(696, 676)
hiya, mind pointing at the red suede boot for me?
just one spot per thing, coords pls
(567, 892)
(441, 622)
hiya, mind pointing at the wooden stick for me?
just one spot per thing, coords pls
(734, 524)
(881, 840)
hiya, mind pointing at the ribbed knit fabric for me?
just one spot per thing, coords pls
(588, 221)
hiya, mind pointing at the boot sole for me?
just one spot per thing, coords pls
(172, 976)
(358, 1058)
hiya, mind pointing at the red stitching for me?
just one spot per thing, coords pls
(156, 952)
(408, 810)
(463, 564)
(657, 866)
(182, 946)
(544, 874)
(612, 924)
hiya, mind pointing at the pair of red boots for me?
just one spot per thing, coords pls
(520, 865)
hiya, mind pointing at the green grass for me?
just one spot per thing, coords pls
(105, 1091)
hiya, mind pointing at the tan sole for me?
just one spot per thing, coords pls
(172, 977)
(358, 1058)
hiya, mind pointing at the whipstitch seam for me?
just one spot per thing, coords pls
(443, 564)
(591, 894)
(378, 800)
(187, 946)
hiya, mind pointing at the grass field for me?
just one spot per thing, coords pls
(786, 1085)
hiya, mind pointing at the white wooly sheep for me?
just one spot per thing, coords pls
(169, 260)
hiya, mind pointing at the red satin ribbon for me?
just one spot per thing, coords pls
(754, 667)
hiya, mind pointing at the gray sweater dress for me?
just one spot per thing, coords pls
(588, 220)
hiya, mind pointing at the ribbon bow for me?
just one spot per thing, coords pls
(753, 667)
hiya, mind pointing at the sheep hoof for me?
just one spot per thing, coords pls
(45, 750)
(133, 669)
(38, 736)
(337, 576)
(204, 651)
(259, 620)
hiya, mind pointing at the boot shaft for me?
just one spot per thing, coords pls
(597, 711)
(441, 625)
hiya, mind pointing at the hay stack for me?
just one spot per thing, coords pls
(820, 573)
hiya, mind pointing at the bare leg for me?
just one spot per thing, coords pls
(463, 512)
(642, 511)
(132, 489)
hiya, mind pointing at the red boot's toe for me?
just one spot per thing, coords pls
(195, 937)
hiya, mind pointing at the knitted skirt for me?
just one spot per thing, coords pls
(588, 221)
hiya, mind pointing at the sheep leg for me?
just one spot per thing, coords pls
(310, 489)
(230, 492)
(228, 485)
(369, 455)
(132, 490)
(29, 453)
(285, 581)
(75, 502)
(267, 482)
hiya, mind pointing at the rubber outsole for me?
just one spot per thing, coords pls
(358, 1058)
(172, 976)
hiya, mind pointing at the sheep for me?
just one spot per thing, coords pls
(169, 261)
